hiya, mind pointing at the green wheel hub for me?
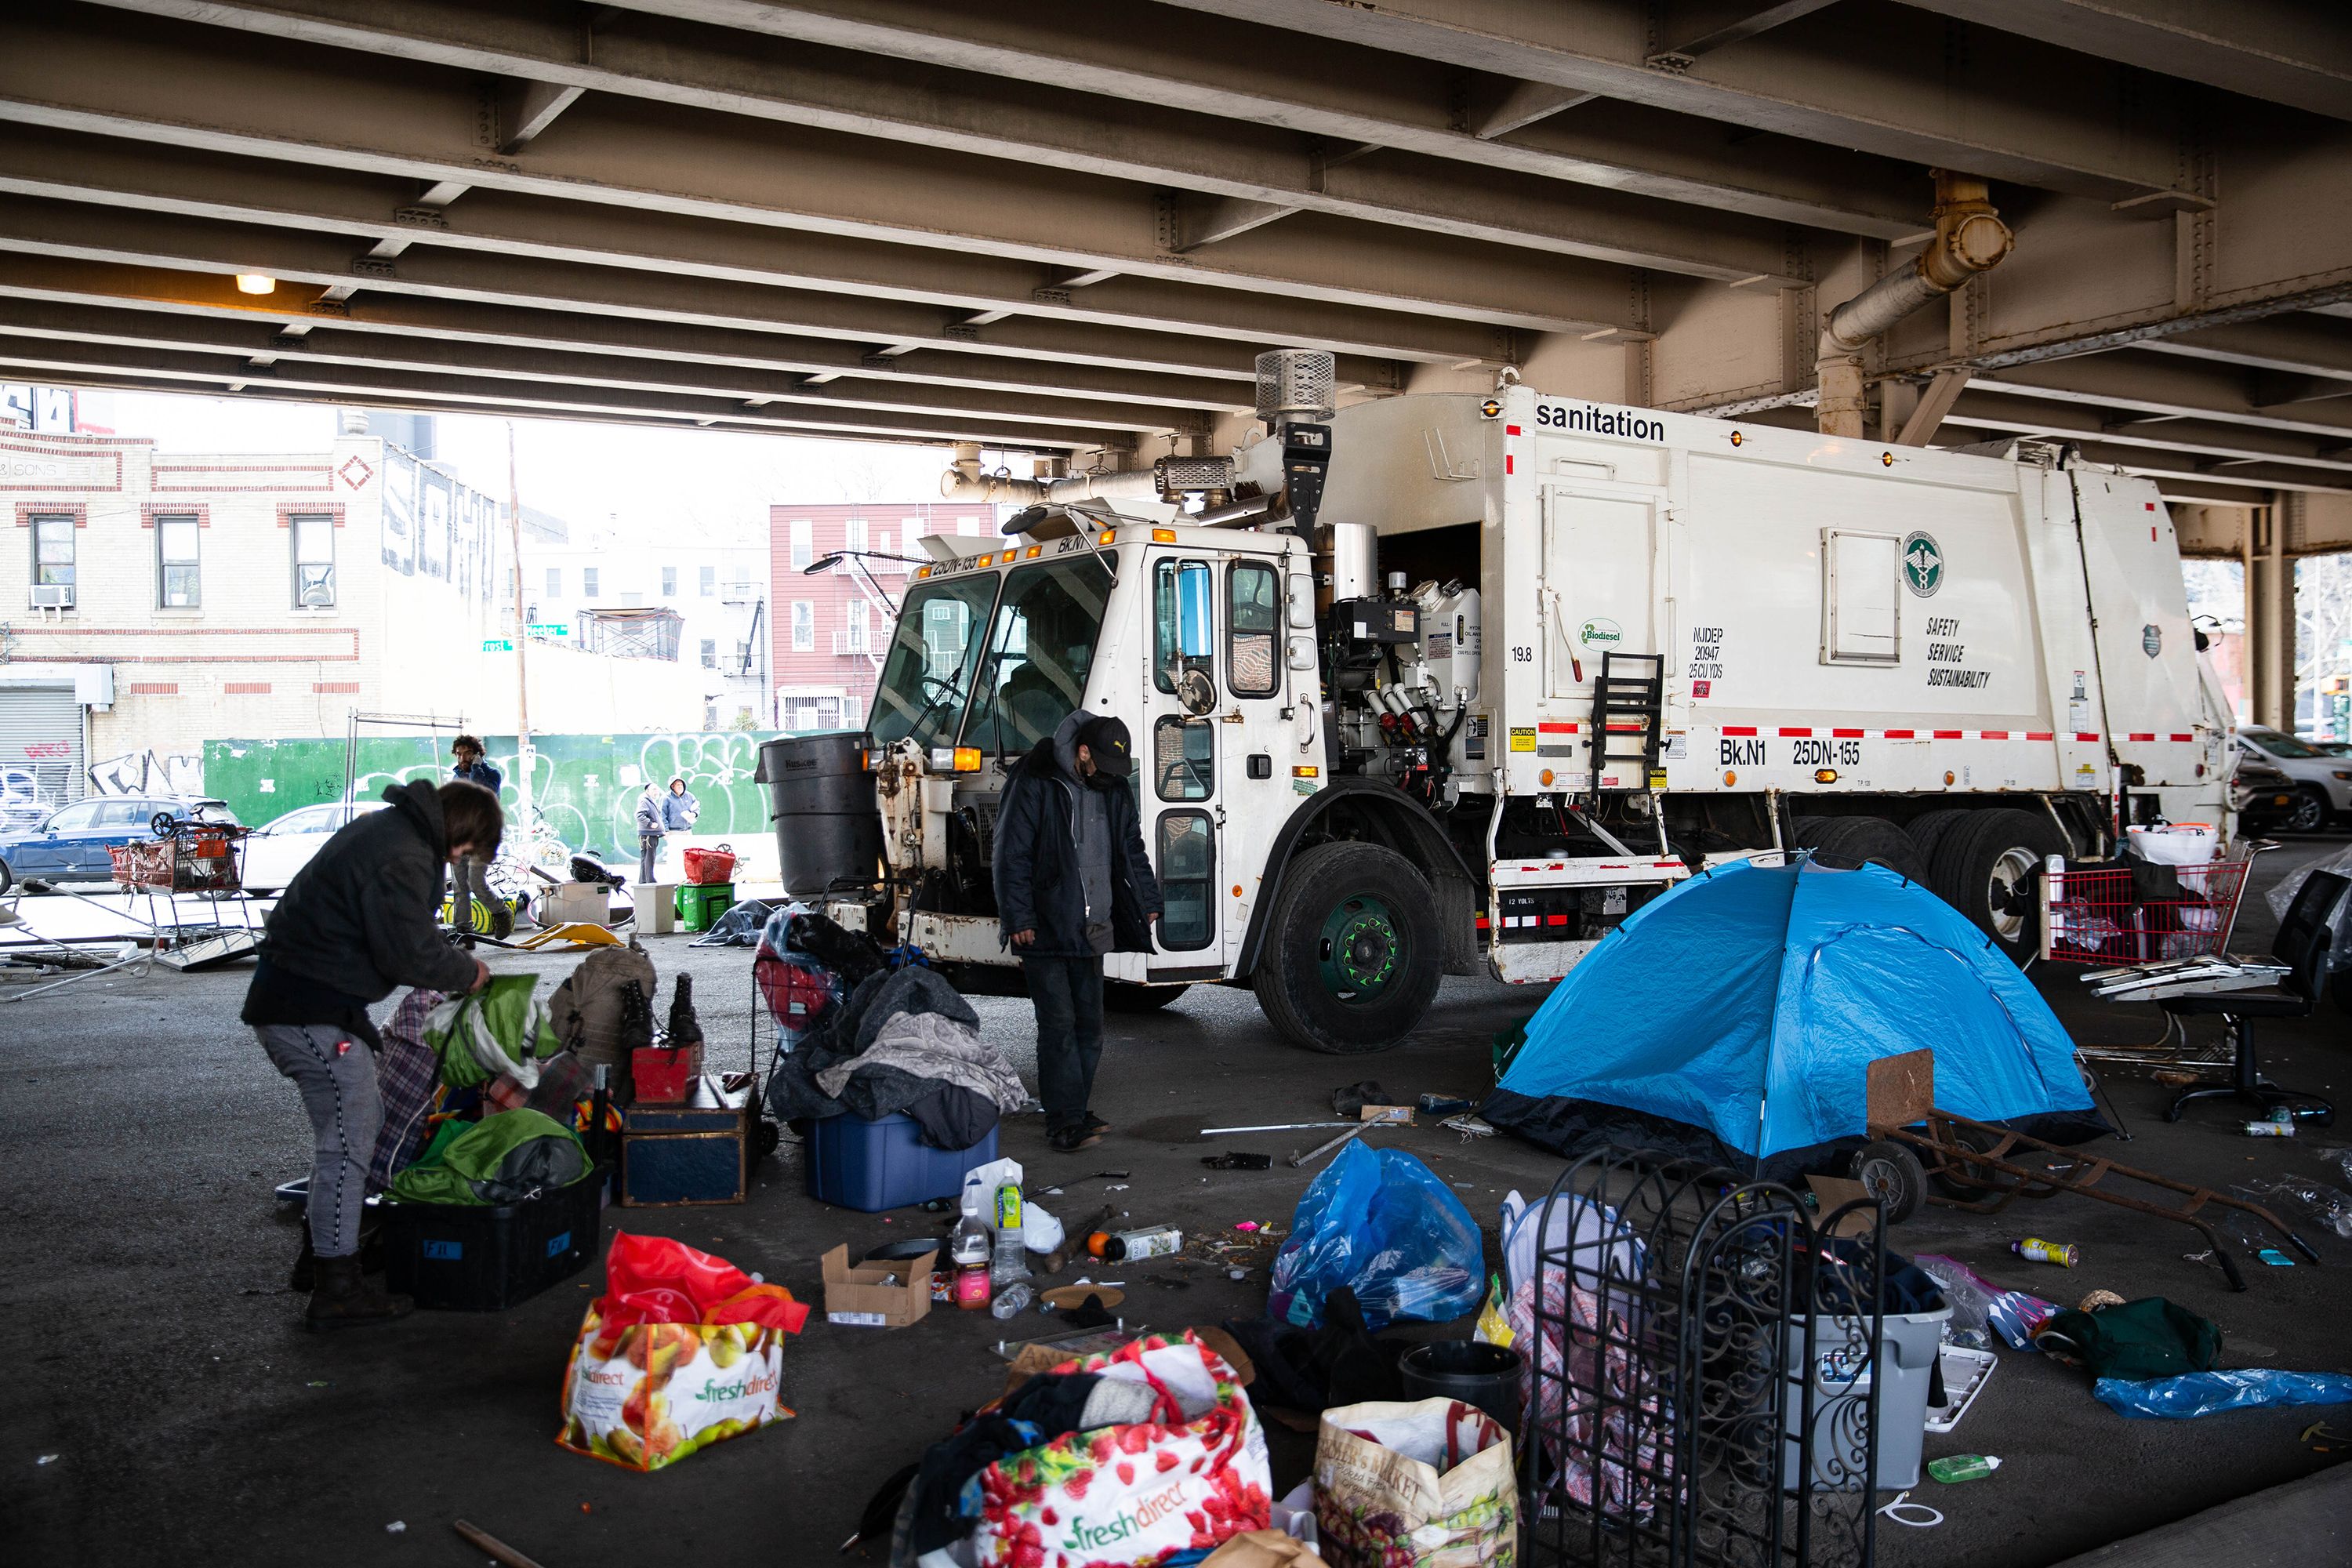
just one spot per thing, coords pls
(1361, 951)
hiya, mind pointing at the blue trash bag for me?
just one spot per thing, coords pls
(1383, 1225)
(2203, 1392)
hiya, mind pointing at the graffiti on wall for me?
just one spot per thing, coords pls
(584, 788)
(148, 772)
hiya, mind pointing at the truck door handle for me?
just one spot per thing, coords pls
(1261, 765)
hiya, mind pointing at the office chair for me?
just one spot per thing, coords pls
(2301, 945)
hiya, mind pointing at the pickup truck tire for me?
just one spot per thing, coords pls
(1988, 868)
(1127, 996)
(1352, 951)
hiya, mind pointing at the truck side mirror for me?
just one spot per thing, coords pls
(1193, 635)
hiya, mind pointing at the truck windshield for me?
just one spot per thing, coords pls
(926, 678)
(1039, 651)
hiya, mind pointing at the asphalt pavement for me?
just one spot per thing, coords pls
(181, 1416)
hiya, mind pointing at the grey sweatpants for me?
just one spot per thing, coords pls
(337, 1076)
(648, 852)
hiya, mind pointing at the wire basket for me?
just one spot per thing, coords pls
(200, 860)
(2134, 912)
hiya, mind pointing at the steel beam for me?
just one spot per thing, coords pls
(1885, 80)
(801, 275)
(1702, 26)
(330, 349)
(494, 327)
(2302, 343)
(46, 358)
(184, 87)
(2159, 386)
(2285, 51)
(843, 91)
(2198, 441)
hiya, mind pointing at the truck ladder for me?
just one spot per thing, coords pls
(1627, 703)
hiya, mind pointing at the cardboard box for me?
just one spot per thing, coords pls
(854, 1294)
(1387, 1115)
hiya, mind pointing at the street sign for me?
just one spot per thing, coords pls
(549, 630)
(497, 645)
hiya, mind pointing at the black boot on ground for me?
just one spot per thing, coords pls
(342, 1299)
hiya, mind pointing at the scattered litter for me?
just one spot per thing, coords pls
(1236, 1273)
(1965, 1374)
(1469, 1126)
(1274, 1127)
(1115, 1187)
(2096, 1300)
(2331, 1207)
(1245, 1225)
(1107, 1176)
(317, 1383)
(398, 1527)
(1234, 1160)
(2270, 1129)
(1441, 1104)
(2203, 1392)
(1045, 1192)
(2033, 1249)
(1963, 1468)
(1322, 1149)
(1900, 1510)
(499, 1551)
(2322, 1438)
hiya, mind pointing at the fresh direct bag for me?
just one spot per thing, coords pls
(1192, 1478)
(1427, 1483)
(682, 1350)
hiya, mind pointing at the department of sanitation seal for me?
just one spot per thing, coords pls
(1923, 564)
(2151, 639)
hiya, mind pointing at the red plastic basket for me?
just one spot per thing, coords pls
(2095, 916)
(706, 866)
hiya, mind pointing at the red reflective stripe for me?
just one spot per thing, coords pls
(2184, 737)
(1510, 430)
(1555, 920)
(1673, 864)
(1900, 735)
(1739, 728)
(1483, 923)
(2082, 735)
(1787, 730)
(1845, 734)
(1993, 736)
(1951, 734)
(1551, 728)
(1510, 464)
(2040, 735)
(2140, 737)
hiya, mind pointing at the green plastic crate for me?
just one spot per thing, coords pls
(701, 905)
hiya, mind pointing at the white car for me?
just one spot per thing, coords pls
(274, 852)
(2322, 784)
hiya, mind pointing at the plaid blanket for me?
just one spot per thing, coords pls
(407, 1074)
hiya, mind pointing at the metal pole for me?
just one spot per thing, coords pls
(522, 685)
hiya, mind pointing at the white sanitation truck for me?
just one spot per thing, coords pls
(1441, 681)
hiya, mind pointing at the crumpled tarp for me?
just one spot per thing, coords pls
(1748, 1002)
(500, 1030)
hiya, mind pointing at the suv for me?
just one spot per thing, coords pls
(2262, 796)
(70, 844)
(2322, 784)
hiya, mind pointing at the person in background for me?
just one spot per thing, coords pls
(475, 769)
(356, 921)
(679, 808)
(650, 807)
(1072, 884)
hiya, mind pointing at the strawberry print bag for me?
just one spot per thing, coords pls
(1192, 1476)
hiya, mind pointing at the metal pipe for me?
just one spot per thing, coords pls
(1970, 238)
(964, 480)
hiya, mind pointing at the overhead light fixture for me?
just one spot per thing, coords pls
(256, 283)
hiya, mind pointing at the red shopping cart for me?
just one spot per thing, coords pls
(2137, 911)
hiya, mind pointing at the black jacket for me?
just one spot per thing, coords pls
(1038, 885)
(359, 920)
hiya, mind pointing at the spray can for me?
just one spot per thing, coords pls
(2270, 1129)
(1132, 1246)
(2033, 1249)
(1964, 1467)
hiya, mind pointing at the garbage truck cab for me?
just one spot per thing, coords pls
(1436, 684)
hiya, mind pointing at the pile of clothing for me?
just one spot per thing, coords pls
(879, 1043)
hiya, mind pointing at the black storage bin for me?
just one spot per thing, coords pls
(468, 1257)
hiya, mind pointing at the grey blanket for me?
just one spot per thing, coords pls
(935, 1046)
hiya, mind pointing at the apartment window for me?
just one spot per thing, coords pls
(849, 712)
(53, 561)
(314, 561)
(587, 582)
(803, 543)
(555, 581)
(710, 653)
(175, 558)
(803, 626)
(670, 582)
(853, 534)
(709, 582)
(853, 623)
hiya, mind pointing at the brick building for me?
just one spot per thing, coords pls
(833, 628)
(155, 600)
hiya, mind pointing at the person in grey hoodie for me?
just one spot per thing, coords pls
(1072, 884)
(357, 921)
(649, 830)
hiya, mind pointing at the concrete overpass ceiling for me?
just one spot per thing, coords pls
(1067, 225)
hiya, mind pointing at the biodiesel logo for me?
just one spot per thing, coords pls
(1602, 632)
(1923, 564)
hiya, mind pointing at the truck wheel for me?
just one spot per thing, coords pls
(1127, 996)
(1352, 952)
(2309, 812)
(1988, 869)
(1928, 831)
(1844, 843)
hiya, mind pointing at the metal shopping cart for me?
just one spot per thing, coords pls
(2134, 912)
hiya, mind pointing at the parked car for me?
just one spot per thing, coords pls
(2322, 784)
(2262, 796)
(278, 849)
(70, 844)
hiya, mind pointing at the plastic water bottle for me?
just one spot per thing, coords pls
(1011, 1302)
(970, 1256)
(1009, 1259)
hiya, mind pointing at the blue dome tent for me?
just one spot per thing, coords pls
(1736, 1018)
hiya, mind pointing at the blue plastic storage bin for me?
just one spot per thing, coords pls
(885, 1164)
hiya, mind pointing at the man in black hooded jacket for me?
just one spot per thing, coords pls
(356, 921)
(1072, 884)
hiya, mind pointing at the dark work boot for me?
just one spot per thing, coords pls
(305, 1264)
(342, 1299)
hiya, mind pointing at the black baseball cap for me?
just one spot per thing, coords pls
(1105, 737)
